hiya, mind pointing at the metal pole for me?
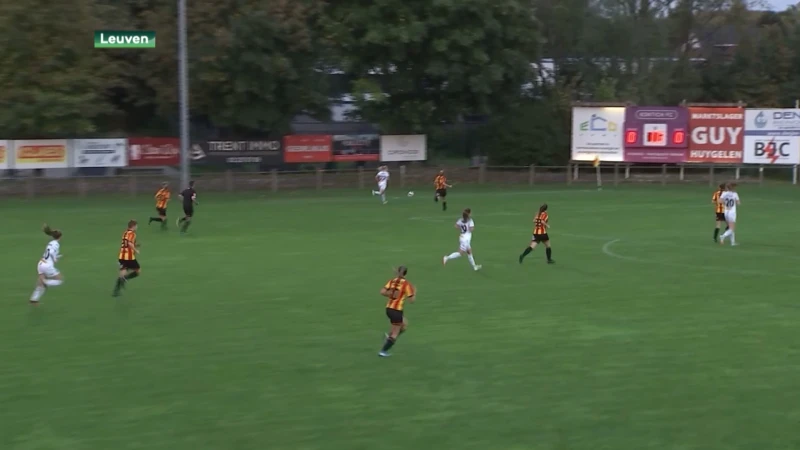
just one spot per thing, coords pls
(183, 92)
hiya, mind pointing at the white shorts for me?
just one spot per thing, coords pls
(465, 244)
(382, 186)
(47, 269)
(730, 216)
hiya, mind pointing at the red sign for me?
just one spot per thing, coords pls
(717, 135)
(307, 148)
(154, 152)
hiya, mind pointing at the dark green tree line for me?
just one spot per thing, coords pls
(411, 66)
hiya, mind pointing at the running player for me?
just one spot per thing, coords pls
(398, 290)
(729, 200)
(440, 184)
(128, 265)
(719, 210)
(382, 178)
(162, 198)
(189, 197)
(48, 275)
(465, 226)
(541, 224)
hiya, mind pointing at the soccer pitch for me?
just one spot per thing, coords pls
(260, 329)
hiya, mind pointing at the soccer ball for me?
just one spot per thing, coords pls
(410, 193)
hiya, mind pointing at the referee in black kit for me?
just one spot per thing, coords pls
(189, 196)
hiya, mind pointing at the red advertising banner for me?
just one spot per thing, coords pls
(154, 152)
(307, 148)
(717, 135)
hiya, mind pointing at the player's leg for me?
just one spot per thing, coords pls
(398, 321)
(39, 290)
(717, 226)
(383, 193)
(732, 230)
(54, 279)
(471, 259)
(454, 255)
(444, 201)
(158, 218)
(436, 197)
(548, 252)
(528, 250)
(186, 221)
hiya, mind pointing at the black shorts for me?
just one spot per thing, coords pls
(721, 217)
(130, 264)
(188, 211)
(441, 193)
(540, 238)
(395, 316)
(162, 212)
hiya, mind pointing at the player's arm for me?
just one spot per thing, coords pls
(194, 199)
(471, 228)
(411, 293)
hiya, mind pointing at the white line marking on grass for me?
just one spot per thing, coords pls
(606, 249)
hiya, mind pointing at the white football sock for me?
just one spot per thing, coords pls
(37, 294)
(53, 282)
(471, 260)
(453, 256)
(733, 238)
(383, 197)
(726, 234)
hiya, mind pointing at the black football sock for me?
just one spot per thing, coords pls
(156, 219)
(525, 253)
(716, 233)
(182, 219)
(444, 205)
(185, 226)
(436, 198)
(120, 283)
(549, 253)
(132, 275)
(388, 344)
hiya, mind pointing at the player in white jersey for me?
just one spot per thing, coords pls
(729, 200)
(465, 226)
(382, 178)
(48, 275)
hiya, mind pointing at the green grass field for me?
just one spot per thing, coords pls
(260, 329)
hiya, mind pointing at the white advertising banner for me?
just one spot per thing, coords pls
(772, 136)
(598, 133)
(100, 152)
(772, 150)
(412, 147)
(5, 154)
(41, 154)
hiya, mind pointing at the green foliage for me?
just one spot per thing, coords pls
(410, 65)
(436, 59)
(50, 77)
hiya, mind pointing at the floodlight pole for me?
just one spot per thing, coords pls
(183, 95)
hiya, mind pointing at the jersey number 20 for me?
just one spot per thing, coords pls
(730, 203)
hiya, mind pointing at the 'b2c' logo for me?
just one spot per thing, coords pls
(772, 148)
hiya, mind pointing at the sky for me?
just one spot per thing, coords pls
(780, 5)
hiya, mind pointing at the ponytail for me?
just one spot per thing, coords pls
(55, 234)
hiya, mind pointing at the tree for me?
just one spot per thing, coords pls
(427, 61)
(51, 76)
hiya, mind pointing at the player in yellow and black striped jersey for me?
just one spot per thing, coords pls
(541, 224)
(162, 198)
(719, 210)
(129, 267)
